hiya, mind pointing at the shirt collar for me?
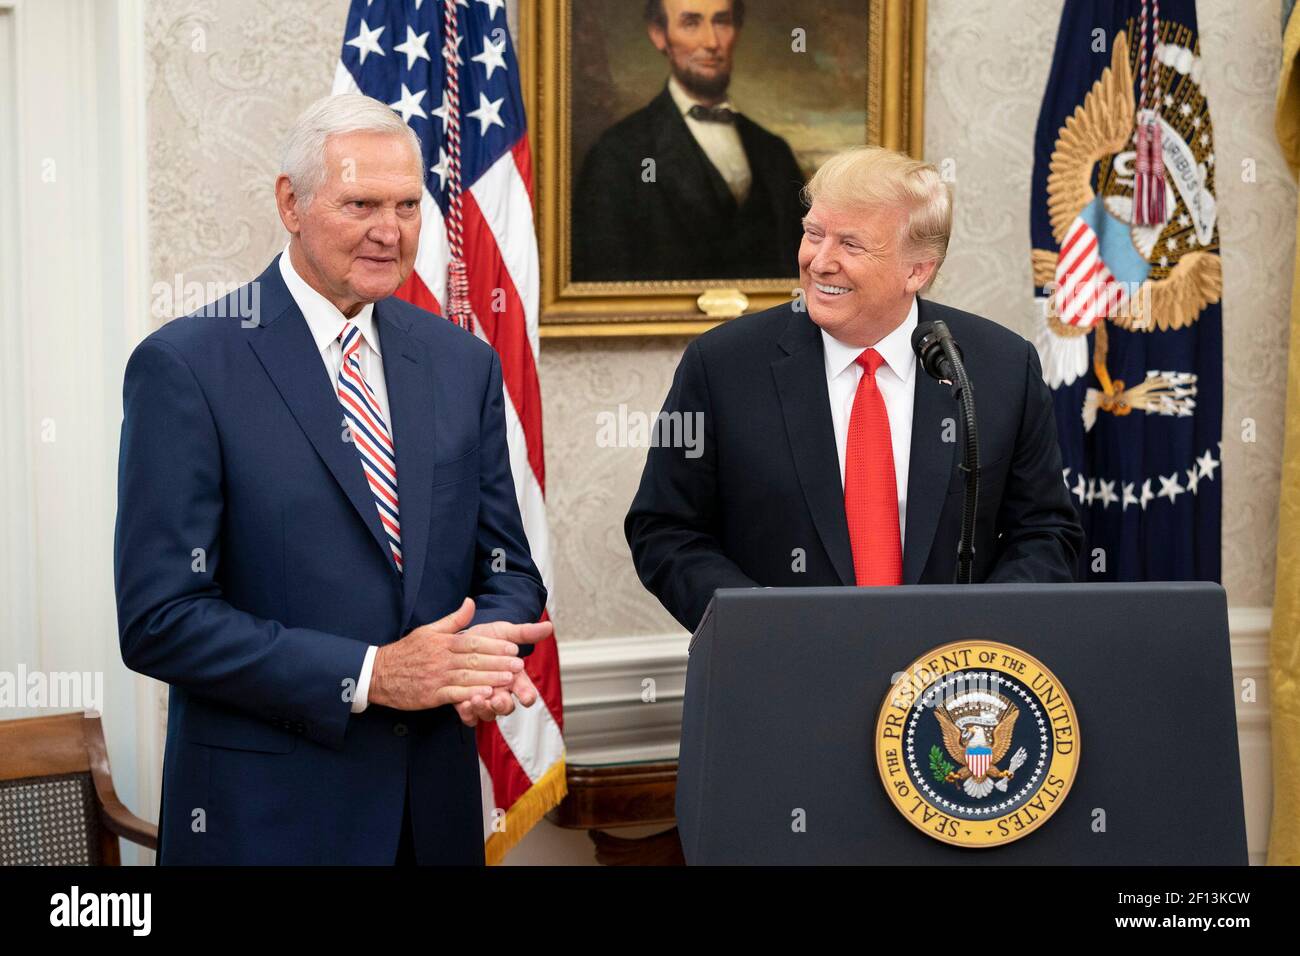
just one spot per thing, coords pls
(685, 102)
(323, 318)
(895, 348)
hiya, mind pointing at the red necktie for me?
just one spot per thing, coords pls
(870, 491)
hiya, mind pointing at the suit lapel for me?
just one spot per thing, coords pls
(764, 168)
(930, 468)
(695, 188)
(801, 386)
(285, 348)
(408, 373)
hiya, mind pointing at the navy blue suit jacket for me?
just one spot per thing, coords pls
(252, 574)
(763, 505)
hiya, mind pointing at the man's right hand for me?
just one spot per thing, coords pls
(434, 665)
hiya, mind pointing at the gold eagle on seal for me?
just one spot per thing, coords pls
(977, 731)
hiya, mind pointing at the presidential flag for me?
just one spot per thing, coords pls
(1128, 278)
(448, 67)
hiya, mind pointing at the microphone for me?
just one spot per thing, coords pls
(941, 358)
(931, 341)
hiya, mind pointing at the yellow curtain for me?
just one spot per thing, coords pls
(1284, 653)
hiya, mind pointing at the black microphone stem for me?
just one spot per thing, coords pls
(962, 391)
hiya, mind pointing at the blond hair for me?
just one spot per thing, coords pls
(872, 177)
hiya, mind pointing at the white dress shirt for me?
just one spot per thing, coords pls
(720, 142)
(896, 381)
(326, 322)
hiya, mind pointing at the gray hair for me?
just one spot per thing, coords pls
(304, 152)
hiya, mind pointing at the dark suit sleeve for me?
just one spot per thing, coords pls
(506, 585)
(173, 623)
(603, 203)
(793, 209)
(1041, 535)
(672, 526)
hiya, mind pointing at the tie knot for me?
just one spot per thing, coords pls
(711, 114)
(349, 337)
(871, 360)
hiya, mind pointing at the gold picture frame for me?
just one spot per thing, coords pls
(895, 52)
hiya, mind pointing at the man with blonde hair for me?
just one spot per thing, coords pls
(828, 456)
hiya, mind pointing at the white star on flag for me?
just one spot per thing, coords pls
(1147, 494)
(409, 104)
(1129, 497)
(1107, 493)
(491, 57)
(413, 47)
(443, 169)
(493, 6)
(443, 112)
(1079, 488)
(367, 41)
(1169, 487)
(488, 112)
(1207, 465)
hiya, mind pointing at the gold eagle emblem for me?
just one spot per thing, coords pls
(1184, 276)
(979, 742)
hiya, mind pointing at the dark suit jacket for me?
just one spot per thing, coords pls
(232, 443)
(767, 485)
(685, 224)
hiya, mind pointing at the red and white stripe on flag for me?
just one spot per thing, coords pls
(1085, 288)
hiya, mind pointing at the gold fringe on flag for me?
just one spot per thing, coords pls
(1284, 648)
(524, 813)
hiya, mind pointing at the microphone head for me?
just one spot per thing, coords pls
(927, 343)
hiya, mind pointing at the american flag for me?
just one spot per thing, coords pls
(448, 67)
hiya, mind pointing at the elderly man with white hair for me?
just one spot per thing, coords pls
(829, 457)
(318, 543)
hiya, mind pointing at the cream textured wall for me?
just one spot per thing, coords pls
(228, 76)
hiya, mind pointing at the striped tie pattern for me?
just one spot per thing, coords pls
(371, 437)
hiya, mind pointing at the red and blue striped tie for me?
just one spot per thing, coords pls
(370, 434)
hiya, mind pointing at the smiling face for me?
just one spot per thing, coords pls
(699, 42)
(856, 275)
(355, 240)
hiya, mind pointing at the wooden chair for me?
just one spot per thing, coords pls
(57, 803)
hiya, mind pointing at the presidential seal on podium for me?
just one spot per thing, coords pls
(977, 743)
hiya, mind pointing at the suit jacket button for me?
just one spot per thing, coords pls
(400, 730)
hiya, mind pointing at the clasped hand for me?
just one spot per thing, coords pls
(476, 669)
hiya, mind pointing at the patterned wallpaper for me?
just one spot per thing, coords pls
(228, 76)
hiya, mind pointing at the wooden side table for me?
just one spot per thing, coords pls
(612, 796)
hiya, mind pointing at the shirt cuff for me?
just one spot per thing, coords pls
(361, 700)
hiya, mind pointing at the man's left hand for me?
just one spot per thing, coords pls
(501, 703)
